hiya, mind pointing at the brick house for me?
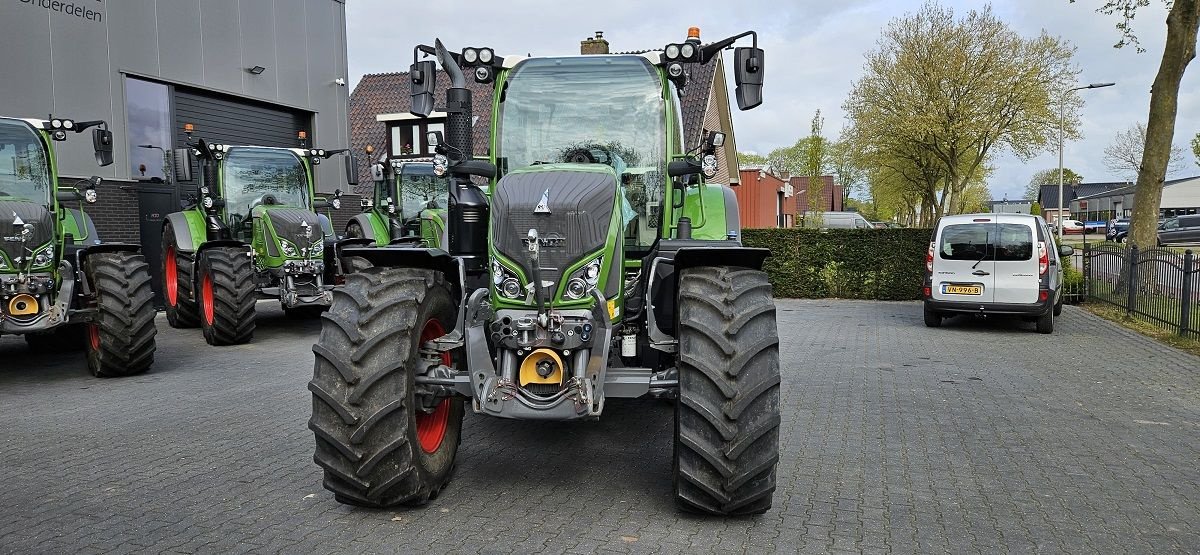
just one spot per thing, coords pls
(764, 200)
(830, 195)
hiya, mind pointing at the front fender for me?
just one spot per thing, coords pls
(189, 229)
(409, 257)
(372, 226)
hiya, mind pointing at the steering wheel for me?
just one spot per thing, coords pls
(588, 155)
(265, 200)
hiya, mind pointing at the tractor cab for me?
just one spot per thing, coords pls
(408, 204)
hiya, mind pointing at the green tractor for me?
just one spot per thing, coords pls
(596, 264)
(60, 286)
(252, 232)
(408, 204)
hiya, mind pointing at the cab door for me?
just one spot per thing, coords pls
(964, 265)
(1018, 276)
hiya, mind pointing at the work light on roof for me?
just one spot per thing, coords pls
(486, 55)
(470, 55)
(672, 51)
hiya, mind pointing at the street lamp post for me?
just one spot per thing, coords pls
(1062, 103)
(166, 165)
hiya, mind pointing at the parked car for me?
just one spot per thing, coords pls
(1070, 227)
(994, 264)
(879, 225)
(1118, 230)
(1183, 229)
(835, 220)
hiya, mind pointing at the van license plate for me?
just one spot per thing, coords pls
(962, 289)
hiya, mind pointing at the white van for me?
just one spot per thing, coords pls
(835, 220)
(994, 264)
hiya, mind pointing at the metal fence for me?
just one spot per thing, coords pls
(1160, 286)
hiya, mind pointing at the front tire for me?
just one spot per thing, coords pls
(120, 340)
(376, 446)
(227, 295)
(727, 417)
(179, 286)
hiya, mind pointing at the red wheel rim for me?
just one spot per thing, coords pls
(207, 294)
(431, 427)
(172, 277)
(94, 337)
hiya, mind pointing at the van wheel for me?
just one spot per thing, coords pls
(932, 318)
(1045, 322)
(1058, 306)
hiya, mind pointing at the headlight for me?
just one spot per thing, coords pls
(44, 258)
(288, 248)
(440, 165)
(90, 196)
(208, 202)
(511, 289)
(486, 55)
(505, 281)
(687, 50)
(470, 55)
(709, 165)
(576, 289)
(672, 51)
(337, 204)
(581, 282)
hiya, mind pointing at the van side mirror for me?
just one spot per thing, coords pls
(351, 169)
(102, 141)
(1066, 250)
(424, 79)
(181, 159)
(748, 74)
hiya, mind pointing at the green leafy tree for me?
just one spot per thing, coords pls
(752, 158)
(1050, 177)
(851, 174)
(1183, 23)
(940, 95)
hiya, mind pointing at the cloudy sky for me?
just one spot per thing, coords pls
(814, 52)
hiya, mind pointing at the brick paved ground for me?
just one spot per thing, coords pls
(896, 438)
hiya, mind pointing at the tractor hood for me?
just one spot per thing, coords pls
(572, 207)
(13, 217)
(296, 225)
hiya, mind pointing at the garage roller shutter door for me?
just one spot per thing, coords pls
(237, 121)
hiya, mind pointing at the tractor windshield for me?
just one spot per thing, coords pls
(591, 109)
(420, 189)
(24, 167)
(256, 176)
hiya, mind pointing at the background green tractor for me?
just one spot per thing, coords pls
(408, 204)
(60, 286)
(252, 232)
(596, 264)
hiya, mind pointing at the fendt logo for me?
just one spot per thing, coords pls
(551, 240)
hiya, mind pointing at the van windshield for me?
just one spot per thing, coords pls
(975, 241)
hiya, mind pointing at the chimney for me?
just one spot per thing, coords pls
(594, 45)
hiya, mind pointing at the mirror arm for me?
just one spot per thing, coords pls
(81, 126)
(709, 50)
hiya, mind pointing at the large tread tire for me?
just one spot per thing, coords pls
(364, 417)
(181, 308)
(69, 337)
(120, 341)
(727, 417)
(227, 295)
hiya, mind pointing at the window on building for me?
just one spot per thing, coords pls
(408, 137)
(148, 122)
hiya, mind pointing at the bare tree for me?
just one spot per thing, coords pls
(1123, 155)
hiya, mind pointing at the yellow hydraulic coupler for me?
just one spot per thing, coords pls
(542, 366)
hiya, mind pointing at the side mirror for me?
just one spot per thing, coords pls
(748, 74)
(376, 172)
(1066, 250)
(434, 138)
(424, 80)
(365, 204)
(680, 168)
(481, 168)
(102, 141)
(181, 159)
(351, 169)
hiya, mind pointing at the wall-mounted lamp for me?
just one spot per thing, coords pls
(340, 82)
(256, 70)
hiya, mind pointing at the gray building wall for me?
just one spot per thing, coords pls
(73, 63)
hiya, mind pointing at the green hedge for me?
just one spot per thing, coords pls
(883, 264)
